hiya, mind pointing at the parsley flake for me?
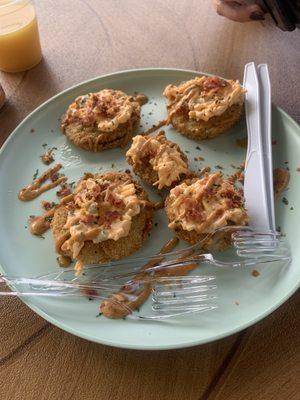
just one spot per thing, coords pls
(35, 175)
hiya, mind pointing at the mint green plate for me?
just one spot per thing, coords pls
(26, 255)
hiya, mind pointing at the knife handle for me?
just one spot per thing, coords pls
(256, 199)
(265, 97)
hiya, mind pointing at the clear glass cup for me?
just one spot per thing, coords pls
(20, 47)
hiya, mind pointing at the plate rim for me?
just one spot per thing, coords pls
(113, 343)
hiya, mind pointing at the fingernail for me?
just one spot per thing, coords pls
(257, 16)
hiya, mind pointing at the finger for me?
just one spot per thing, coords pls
(237, 11)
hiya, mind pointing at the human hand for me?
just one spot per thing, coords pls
(239, 10)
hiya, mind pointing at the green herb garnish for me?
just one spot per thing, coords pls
(35, 175)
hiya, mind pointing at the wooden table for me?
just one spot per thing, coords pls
(90, 38)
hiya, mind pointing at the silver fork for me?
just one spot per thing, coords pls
(171, 296)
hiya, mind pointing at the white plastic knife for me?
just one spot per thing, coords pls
(257, 200)
(266, 123)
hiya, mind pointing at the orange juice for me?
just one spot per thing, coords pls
(20, 47)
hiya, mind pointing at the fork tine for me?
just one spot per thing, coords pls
(176, 313)
(165, 292)
(182, 296)
(186, 301)
(264, 253)
(251, 233)
(257, 239)
(170, 308)
(261, 245)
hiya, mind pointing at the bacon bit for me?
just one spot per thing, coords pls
(241, 177)
(141, 99)
(115, 202)
(64, 191)
(103, 187)
(46, 205)
(237, 176)
(192, 210)
(255, 273)
(110, 216)
(47, 158)
(176, 191)
(274, 142)
(234, 197)
(54, 177)
(96, 190)
(183, 108)
(213, 82)
(219, 212)
(88, 219)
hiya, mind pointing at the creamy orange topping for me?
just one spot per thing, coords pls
(206, 204)
(165, 159)
(106, 109)
(204, 97)
(102, 210)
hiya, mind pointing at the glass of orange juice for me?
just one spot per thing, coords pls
(20, 47)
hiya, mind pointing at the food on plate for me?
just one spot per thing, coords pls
(157, 160)
(135, 293)
(102, 120)
(198, 206)
(38, 186)
(205, 106)
(281, 178)
(47, 157)
(108, 217)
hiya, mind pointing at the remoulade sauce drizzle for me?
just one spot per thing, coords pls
(110, 307)
(40, 224)
(35, 188)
